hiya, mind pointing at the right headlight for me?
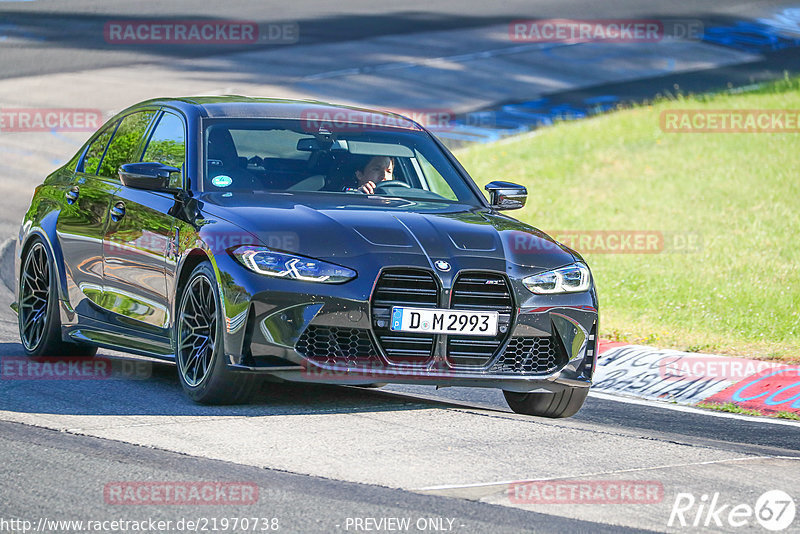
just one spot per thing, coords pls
(570, 279)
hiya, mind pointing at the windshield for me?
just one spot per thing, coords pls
(285, 156)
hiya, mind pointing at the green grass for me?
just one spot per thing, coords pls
(740, 193)
(728, 407)
(733, 408)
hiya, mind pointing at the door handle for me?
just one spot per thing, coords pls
(72, 195)
(117, 211)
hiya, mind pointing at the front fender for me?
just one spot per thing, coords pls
(46, 230)
(210, 241)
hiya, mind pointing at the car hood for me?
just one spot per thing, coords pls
(392, 230)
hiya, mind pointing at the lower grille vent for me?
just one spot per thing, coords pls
(528, 355)
(337, 346)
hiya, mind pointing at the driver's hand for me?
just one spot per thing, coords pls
(367, 188)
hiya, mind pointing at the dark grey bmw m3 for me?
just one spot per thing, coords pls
(243, 237)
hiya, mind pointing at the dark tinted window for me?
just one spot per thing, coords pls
(167, 145)
(95, 151)
(291, 157)
(125, 143)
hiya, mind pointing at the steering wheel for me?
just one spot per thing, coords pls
(383, 186)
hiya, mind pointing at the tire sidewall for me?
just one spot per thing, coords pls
(217, 367)
(564, 403)
(52, 321)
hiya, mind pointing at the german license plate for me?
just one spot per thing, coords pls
(426, 320)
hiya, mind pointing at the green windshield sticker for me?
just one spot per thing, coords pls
(221, 181)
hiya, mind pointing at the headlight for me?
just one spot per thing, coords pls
(280, 265)
(570, 279)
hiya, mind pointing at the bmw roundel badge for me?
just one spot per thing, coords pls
(442, 265)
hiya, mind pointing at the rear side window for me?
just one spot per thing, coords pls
(95, 151)
(125, 144)
(167, 145)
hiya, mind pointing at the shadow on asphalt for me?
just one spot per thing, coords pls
(128, 385)
(79, 39)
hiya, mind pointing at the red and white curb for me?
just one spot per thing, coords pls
(693, 378)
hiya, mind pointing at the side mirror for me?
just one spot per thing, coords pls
(506, 196)
(151, 176)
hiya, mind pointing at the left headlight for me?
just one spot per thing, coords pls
(570, 279)
(281, 265)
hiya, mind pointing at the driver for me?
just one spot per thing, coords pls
(375, 170)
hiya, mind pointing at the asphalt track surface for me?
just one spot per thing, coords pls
(50, 36)
(299, 503)
(322, 454)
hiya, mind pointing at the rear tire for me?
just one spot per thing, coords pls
(199, 344)
(565, 403)
(38, 318)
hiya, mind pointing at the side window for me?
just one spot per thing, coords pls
(95, 151)
(436, 181)
(167, 145)
(125, 143)
(72, 164)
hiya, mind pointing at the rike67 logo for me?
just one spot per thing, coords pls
(774, 510)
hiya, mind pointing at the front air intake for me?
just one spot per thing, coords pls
(479, 291)
(529, 356)
(349, 347)
(403, 287)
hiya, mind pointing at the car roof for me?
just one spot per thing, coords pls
(243, 107)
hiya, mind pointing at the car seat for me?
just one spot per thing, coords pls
(223, 160)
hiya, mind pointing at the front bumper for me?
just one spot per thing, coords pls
(327, 334)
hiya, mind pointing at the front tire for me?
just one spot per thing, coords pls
(199, 344)
(38, 317)
(565, 403)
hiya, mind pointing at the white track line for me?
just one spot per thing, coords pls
(691, 409)
(602, 473)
